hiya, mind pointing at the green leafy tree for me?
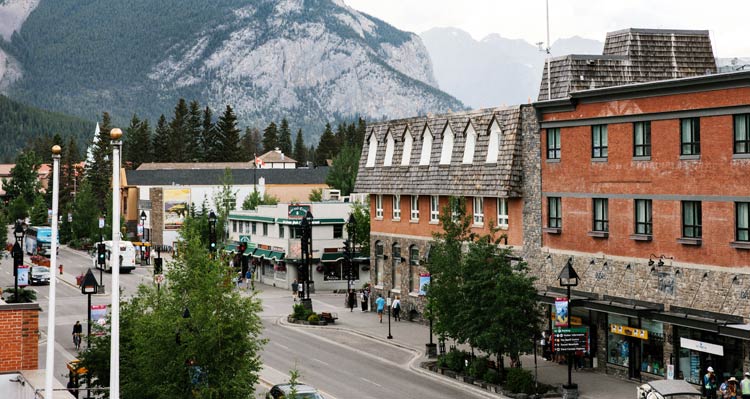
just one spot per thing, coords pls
(70, 173)
(327, 147)
(99, 170)
(229, 136)
(38, 214)
(196, 337)
(343, 172)
(17, 209)
(270, 138)
(255, 199)
(316, 195)
(225, 201)
(285, 138)
(24, 182)
(300, 151)
(361, 214)
(85, 224)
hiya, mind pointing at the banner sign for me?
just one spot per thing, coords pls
(628, 331)
(176, 202)
(298, 211)
(561, 312)
(574, 320)
(701, 346)
(424, 280)
(99, 314)
(23, 275)
(570, 339)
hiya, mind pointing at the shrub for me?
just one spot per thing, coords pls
(455, 360)
(299, 312)
(313, 318)
(519, 380)
(478, 367)
(24, 295)
(491, 376)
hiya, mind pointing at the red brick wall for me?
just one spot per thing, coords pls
(19, 337)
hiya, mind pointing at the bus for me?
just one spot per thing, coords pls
(38, 241)
(127, 257)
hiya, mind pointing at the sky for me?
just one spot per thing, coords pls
(725, 19)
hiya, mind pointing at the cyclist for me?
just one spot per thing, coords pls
(77, 332)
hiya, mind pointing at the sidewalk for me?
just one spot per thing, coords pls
(414, 336)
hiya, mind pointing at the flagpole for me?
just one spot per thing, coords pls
(114, 356)
(49, 373)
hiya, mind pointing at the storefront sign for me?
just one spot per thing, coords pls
(244, 238)
(424, 280)
(701, 346)
(570, 339)
(628, 331)
(561, 312)
(298, 211)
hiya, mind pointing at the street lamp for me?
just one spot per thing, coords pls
(569, 278)
(143, 232)
(17, 254)
(388, 304)
(49, 377)
(114, 359)
(307, 252)
(351, 227)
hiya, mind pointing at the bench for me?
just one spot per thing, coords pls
(328, 317)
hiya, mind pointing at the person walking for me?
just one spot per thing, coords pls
(301, 290)
(362, 300)
(396, 306)
(709, 383)
(248, 278)
(745, 386)
(77, 332)
(295, 286)
(352, 299)
(380, 304)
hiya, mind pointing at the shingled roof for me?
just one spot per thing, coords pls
(632, 56)
(213, 177)
(500, 179)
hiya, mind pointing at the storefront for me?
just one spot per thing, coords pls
(636, 344)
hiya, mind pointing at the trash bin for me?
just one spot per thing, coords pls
(79, 279)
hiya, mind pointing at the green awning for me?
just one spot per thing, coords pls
(252, 218)
(276, 255)
(230, 248)
(262, 253)
(249, 251)
(332, 256)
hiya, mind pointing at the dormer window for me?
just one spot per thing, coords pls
(406, 154)
(424, 157)
(493, 147)
(390, 145)
(447, 150)
(471, 142)
(372, 149)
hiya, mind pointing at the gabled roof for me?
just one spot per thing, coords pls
(195, 165)
(276, 156)
(213, 177)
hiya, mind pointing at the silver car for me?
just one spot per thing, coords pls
(302, 391)
(39, 275)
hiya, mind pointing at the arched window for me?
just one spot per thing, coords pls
(395, 269)
(371, 150)
(413, 268)
(379, 259)
(471, 142)
(424, 157)
(447, 150)
(406, 154)
(493, 147)
(390, 145)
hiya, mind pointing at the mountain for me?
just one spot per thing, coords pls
(311, 61)
(494, 70)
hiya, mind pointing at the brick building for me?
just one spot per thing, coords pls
(411, 167)
(645, 165)
(19, 336)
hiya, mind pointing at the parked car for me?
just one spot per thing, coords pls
(303, 391)
(39, 275)
(667, 389)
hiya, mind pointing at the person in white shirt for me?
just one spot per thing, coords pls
(396, 307)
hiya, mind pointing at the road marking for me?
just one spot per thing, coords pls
(282, 346)
(320, 361)
(371, 382)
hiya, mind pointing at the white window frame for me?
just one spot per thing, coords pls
(390, 147)
(434, 208)
(424, 156)
(493, 147)
(371, 150)
(414, 208)
(408, 144)
(379, 206)
(446, 153)
(396, 205)
(478, 210)
(469, 145)
(502, 213)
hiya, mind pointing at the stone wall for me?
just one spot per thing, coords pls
(532, 184)
(156, 194)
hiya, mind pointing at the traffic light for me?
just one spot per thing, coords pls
(302, 272)
(157, 265)
(212, 241)
(101, 254)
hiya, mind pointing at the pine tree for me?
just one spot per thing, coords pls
(300, 151)
(130, 144)
(178, 133)
(311, 155)
(229, 136)
(137, 143)
(38, 214)
(285, 138)
(250, 143)
(161, 140)
(194, 130)
(209, 138)
(99, 167)
(69, 172)
(270, 138)
(340, 135)
(327, 148)
(359, 133)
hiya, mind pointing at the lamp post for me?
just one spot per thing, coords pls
(50, 359)
(569, 278)
(389, 315)
(17, 254)
(350, 243)
(143, 235)
(114, 371)
(309, 219)
(101, 243)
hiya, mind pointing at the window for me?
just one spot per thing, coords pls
(395, 270)
(554, 212)
(434, 208)
(390, 146)
(742, 134)
(447, 150)
(601, 214)
(502, 212)
(255, 227)
(553, 143)
(642, 139)
(242, 228)
(643, 216)
(471, 142)
(478, 210)
(457, 208)
(379, 259)
(743, 221)
(396, 207)
(493, 147)
(379, 206)
(234, 226)
(691, 219)
(414, 207)
(406, 154)
(372, 150)
(265, 229)
(599, 141)
(690, 136)
(413, 269)
(338, 231)
(295, 232)
(424, 156)
(281, 231)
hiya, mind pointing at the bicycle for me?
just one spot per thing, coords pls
(77, 340)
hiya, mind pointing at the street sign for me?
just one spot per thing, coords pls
(101, 223)
(570, 339)
(89, 284)
(159, 278)
(628, 331)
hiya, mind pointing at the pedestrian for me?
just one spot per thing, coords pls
(396, 306)
(352, 296)
(301, 290)
(745, 386)
(380, 303)
(248, 278)
(362, 300)
(295, 286)
(73, 386)
(728, 388)
(239, 279)
(709, 383)
(77, 333)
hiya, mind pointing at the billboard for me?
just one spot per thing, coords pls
(176, 203)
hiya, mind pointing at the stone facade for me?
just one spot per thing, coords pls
(156, 194)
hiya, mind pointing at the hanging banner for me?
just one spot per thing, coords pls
(176, 202)
(23, 275)
(424, 280)
(99, 314)
(561, 312)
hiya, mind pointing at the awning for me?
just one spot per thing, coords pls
(276, 255)
(262, 253)
(740, 331)
(332, 257)
(230, 248)
(701, 320)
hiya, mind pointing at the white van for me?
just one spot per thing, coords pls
(127, 257)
